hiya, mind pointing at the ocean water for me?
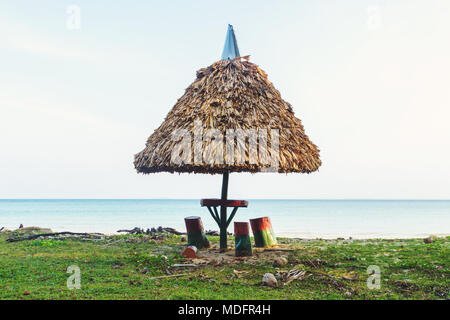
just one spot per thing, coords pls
(292, 218)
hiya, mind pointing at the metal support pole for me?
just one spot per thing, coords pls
(223, 211)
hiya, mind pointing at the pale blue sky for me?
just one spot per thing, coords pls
(369, 79)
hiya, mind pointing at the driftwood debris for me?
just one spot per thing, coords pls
(36, 236)
(215, 233)
(160, 229)
(184, 265)
(151, 231)
(295, 274)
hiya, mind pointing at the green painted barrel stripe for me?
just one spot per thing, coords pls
(198, 239)
(264, 238)
(243, 242)
(243, 245)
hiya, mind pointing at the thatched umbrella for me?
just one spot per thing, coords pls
(229, 103)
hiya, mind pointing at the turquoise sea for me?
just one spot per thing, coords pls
(292, 218)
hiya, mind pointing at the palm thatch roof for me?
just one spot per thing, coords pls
(227, 95)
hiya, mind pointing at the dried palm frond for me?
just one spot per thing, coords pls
(230, 95)
(295, 274)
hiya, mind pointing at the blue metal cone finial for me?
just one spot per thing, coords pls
(230, 50)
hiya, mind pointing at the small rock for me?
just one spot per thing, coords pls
(430, 239)
(269, 280)
(281, 261)
(116, 266)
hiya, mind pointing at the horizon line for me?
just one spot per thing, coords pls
(249, 199)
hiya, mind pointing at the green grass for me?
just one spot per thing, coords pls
(122, 267)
